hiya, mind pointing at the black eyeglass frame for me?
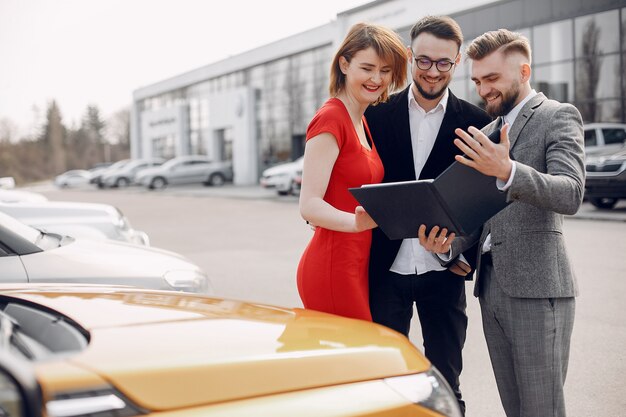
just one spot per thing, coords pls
(446, 61)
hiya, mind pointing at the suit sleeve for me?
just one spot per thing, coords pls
(561, 187)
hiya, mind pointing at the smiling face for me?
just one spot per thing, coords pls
(501, 81)
(367, 76)
(432, 83)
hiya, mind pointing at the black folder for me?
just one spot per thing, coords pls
(460, 199)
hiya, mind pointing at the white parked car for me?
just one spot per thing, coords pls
(604, 138)
(7, 182)
(188, 169)
(125, 175)
(284, 177)
(21, 196)
(31, 255)
(73, 178)
(79, 220)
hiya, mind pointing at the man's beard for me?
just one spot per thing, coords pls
(431, 96)
(507, 102)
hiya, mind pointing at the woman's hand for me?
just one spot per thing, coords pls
(362, 220)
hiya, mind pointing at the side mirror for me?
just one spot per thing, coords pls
(20, 395)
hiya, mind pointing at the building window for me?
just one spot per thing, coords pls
(556, 81)
(597, 34)
(598, 77)
(555, 42)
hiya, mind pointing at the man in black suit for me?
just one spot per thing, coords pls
(414, 134)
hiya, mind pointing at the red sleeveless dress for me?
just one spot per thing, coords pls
(333, 271)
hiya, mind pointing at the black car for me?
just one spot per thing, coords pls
(606, 179)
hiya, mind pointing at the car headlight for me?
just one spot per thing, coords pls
(427, 389)
(104, 402)
(189, 281)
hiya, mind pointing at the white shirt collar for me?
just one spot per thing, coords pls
(442, 105)
(512, 115)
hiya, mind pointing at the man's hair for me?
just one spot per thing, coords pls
(501, 39)
(442, 27)
(387, 44)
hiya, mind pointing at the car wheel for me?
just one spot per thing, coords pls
(122, 182)
(158, 183)
(294, 189)
(216, 180)
(604, 202)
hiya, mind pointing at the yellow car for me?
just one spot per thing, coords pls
(113, 351)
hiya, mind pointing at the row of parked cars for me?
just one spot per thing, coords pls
(95, 322)
(54, 241)
(605, 146)
(152, 173)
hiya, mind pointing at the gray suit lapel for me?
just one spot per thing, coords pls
(523, 117)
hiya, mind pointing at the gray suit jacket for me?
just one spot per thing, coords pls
(527, 244)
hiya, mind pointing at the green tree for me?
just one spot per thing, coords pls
(93, 128)
(589, 72)
(53, 139)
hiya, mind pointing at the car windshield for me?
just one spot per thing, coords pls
(173, 162)
(119, 164)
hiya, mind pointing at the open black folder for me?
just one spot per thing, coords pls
(460, 199)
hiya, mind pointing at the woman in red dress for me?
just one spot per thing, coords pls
(340, 154)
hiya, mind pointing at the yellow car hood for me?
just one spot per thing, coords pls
(167, 350)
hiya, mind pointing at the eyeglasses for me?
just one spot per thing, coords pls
(424, 63)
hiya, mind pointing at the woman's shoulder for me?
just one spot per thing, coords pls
(332, 112)
(333, 108)
(332, 118)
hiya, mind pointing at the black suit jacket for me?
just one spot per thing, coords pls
(389, 126)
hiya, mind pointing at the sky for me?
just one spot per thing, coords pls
(82, 52)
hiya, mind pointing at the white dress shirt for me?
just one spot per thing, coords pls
(412, 258)
(510, 119)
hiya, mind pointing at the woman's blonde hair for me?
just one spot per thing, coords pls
(387, 44)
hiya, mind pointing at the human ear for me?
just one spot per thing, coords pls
(343, 64)
(525, 71)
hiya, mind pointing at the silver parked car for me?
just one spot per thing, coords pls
(31, 255)
(72, 178)
(604, 138)
(98, 173)
(84, 220)
(188, 169)
(125, 175)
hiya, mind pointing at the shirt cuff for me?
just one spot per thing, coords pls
(446, 257)
(502, 186)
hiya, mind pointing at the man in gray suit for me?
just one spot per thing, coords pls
(525, 282)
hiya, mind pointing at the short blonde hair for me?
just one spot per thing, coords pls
(387, 44)
(501, 39)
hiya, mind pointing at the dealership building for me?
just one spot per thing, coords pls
(253, 108)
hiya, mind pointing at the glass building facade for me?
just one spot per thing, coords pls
(288, 92)
(580, 60)
(579, 56)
